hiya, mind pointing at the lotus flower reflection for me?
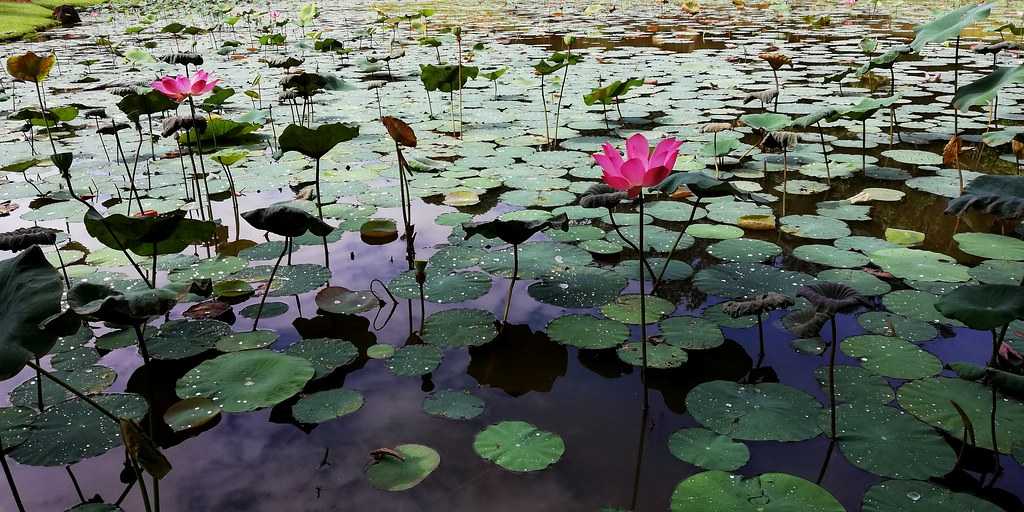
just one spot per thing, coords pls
(641, 167)
(181, 87)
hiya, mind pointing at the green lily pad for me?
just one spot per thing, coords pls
(856, 385)
(391, 474)
(659, 355)
(744, 250)
(191, 413)
(338, 300)
(380, 351)
(814, 227)
(761, 412)
(415, 360)
(453, 404)
(865, 283)
(917, 496)
(706, 449)
(888, 324)
(829, 256)
(768, 492)
(248, 340)
(692, 333)
(325, 354)
(735, 280)
(920, 265)
(992, 246)
(519, 446)
(270, 310)
(326, 405)
(578, 287)
(73, 430)
(585, 331)
(459, 328)
(891, 357)
(442, 286)
(929, 401)
(626, 309)
(248, 380)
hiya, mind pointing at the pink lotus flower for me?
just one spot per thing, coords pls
(641, 168)
(274, 14)
(180, 87)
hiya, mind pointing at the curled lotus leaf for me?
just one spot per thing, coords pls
(287, 221)
(30, 67)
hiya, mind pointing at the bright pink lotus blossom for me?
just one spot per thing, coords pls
(641, 168)
(180, 87)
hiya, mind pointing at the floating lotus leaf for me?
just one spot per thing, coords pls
(917, 496)
(768, 492)
(659, 355)
(191, 413)
(929, 400)
(519, 446)
(578, 287)
(415, 360)
(888, 324)
(248, 380)
(920, 265)
(442, 286)
(325, 354)
(453, 404)
(393, 474)
(339, 300)
(814, 227)
(74, 430)
(733, 280)
(326, 405)
(179, 339)
(891, 357)
(585, 331)
(988, 245)
(459, 328)
(626, 309)
(89, 380)
(888, 442)
(706, 449)
(691, 333)
(248, 340)
(744, 250)
(829, 256)
(762, 412)
(30, 67)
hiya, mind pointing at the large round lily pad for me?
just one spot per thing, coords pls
(585, 331)
(704, 448)
(459, 328)
(578, 287)
(246, 381)
(327, 405)
(892, 357)
(390, 473)
(325, 354)
(453, 404)
(735, 280)
(917, 496)
(762, 412)
(920, 265)
(929, 400)
(519, 446)
(888, 442)
(769, 492)
(442, 286)
(73, 430)
(415, 360)
(659, 355)
(626, 309)
(691, 333)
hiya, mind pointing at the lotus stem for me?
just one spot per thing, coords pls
(997, 341)
(63, 267)
(615, 226)
(828, 457)
(39, 389)
(199, 149)
(74, 481)
(785, 178)
(512, 283)
(675, 245)
(864, 145)
(544, 103)
(10, 478)
(778, 88)
(266, 291)
(319, 199)
(824, 152)
(561, 91)
(832, 380)
(643, 303)
(46, 120)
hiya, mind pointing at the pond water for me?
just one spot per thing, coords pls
(720, 401)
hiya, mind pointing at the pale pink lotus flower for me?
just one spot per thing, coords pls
(849, 3)
(641, 167)
(180, 87)
(274, 14)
